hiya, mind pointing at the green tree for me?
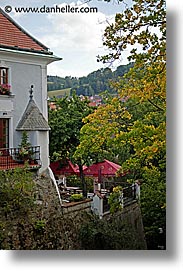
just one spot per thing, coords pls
(143, 27)
(97, 136)
(65, 122)
(143, 24)
(113, 233)
(140, 128)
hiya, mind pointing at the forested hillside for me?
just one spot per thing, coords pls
(92, 84)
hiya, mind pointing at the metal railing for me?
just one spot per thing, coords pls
(106, 206)
(20, 157)
(128, 195)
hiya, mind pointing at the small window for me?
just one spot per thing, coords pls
(3, 75)
(4, 133)
(4, 85)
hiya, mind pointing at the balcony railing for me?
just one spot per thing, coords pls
(128, 196)
(11, 158)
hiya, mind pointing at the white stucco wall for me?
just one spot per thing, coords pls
(23, 76)
(43, 142)
(26, 69)
(97, 206)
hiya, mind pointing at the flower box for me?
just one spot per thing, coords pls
(5, 89)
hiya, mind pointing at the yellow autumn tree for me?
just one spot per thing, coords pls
(134, 123)
(100, 130)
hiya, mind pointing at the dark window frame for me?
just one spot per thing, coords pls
(4, 75)
(4, 132)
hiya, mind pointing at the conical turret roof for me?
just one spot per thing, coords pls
(32, 119)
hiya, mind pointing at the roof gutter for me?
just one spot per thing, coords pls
(25, 49)
(50, 57)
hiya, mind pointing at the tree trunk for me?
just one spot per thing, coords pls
(84, 187)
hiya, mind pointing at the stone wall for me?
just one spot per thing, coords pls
(46, 225)
(132, 215)
(74, 207)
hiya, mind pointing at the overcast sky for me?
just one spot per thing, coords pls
(77, 38)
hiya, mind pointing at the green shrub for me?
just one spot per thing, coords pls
(40, 225)
(114, 200)
(16, 191)
(113, 233)
(76, 197)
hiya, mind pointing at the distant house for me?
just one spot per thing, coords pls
(23, 69)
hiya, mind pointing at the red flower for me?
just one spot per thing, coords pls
(5, 89)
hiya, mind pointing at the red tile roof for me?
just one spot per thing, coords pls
(13, 36)
(92, 104)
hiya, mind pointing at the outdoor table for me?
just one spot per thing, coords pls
(72, 189)
(104, 191)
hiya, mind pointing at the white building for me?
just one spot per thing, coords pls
(23, 63)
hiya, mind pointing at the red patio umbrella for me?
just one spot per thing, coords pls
(64, 169)
(105, 168)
